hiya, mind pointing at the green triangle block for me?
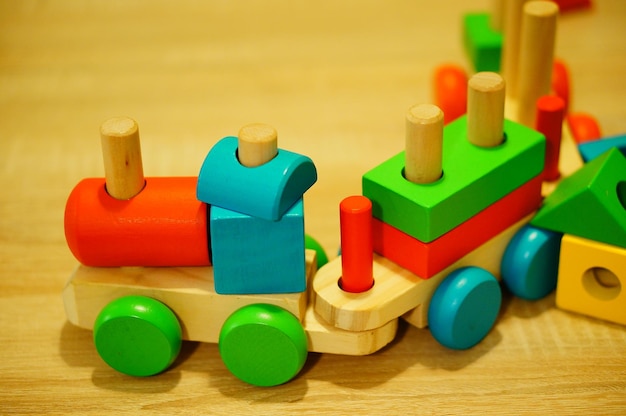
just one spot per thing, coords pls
(591, 203)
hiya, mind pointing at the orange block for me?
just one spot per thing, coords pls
(450, 91)
(584, 127)
(163, 225)
(427, 259)
(592, 279)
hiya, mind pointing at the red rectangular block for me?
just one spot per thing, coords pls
(427, 259)
(566, 5)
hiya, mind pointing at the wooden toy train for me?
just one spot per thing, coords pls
(223, 257)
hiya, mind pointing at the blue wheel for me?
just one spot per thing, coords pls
(530, 263)
(464, 307)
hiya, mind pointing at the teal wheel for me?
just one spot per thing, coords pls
(263, 345)
(530, 264)
(464, 307)
(138, 336)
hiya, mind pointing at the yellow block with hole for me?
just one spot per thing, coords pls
(592, 279)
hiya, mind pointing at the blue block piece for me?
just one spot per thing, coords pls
(464, 308)
(530, 264)
(252, 256)
(266, 191)
(591, 150)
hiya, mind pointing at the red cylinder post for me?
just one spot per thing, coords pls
(357, 256)
(549, 122)
(163, 225)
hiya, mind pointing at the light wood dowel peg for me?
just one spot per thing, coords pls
(497, 15)
(512, 22)
(257, 144)
(424, 142)
(536, 57)
(121, 150)
(485, 109)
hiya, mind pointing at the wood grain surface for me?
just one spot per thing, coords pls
(335, 79)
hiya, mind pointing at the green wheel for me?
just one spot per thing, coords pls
(263, 345)
(312, 244)
(138, 336)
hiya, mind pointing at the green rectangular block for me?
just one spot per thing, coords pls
(473, 178)
(482, 44)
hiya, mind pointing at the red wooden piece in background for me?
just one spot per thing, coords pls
(549, 122)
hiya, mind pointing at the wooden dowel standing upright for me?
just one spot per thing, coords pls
(121, 151)
(485, 109)
(512, 18)
(257, 144)
(497, 15)
(424, 142)
(536, 57)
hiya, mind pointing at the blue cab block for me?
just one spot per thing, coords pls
(252, 255)
(266, 191)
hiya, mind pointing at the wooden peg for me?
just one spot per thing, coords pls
(512, 18)
(485, 109)
(497, 15)
(257, 144)
(536, 57)
(424, 142)
(121, 151)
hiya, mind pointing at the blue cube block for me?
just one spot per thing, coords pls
(251, 255)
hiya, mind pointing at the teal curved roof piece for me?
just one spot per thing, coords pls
(266, 191)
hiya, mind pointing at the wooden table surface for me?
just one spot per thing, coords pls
(335, 79)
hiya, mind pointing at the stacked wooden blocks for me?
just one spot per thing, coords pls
(256, 218)
(443, 212)
(483, 190)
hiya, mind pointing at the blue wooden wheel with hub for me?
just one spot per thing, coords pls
(464, 307)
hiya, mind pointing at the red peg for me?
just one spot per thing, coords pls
(357, 256)
(549, 122)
